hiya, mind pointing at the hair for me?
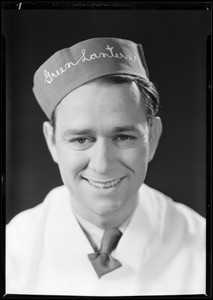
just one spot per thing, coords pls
(151, 100)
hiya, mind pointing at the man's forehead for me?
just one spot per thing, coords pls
(107, 118)
(89, 99)
(93, 88)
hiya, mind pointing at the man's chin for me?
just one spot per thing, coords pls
(105, 206)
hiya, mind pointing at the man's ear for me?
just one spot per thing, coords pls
(155, 134)
(48, 134)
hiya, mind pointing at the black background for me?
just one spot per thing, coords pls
(174, 41)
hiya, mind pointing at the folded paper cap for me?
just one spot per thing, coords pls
(72, 67)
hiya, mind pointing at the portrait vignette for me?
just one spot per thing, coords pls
(28, 168)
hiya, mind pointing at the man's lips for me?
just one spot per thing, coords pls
(103, 183)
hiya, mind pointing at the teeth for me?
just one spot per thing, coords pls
(104, 185)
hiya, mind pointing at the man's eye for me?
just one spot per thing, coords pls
(124, 138)
(81, 141)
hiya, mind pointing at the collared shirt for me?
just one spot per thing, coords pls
(162, 251)
(95, 233)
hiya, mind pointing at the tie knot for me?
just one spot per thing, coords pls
(102, 261)
(110, 240)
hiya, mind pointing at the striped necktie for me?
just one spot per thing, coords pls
(102, 261)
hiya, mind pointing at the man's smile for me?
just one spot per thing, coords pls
(100, 184)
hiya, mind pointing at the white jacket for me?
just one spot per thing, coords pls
(162, 251)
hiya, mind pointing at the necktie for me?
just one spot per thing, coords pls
(102, 261)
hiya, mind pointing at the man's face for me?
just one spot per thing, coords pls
(102, 149)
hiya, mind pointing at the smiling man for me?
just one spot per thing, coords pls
(104, 232)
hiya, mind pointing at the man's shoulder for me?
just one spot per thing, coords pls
(176, 216)
(30, 219)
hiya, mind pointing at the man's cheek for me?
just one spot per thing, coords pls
(134, 158)
(72, 163)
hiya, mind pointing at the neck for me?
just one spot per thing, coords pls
(111, 220)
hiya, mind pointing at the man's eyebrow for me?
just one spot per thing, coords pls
(132, 128)
(70, 132)
(115, 130)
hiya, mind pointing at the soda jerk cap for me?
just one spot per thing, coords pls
(72, 67)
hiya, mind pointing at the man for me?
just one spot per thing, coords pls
(104, 232)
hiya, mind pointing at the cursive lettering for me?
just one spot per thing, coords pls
(49, 77)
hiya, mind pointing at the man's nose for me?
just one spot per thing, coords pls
(102, 157)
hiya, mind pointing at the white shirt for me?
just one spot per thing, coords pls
(162, 251)
(96, 233)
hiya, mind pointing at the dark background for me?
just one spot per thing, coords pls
(174, 41)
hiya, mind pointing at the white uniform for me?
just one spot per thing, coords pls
(162, 251)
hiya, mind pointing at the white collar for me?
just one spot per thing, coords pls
(95, 233)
